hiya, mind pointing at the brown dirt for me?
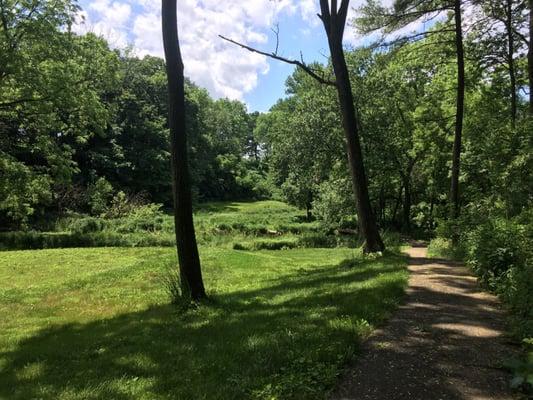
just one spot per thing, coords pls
(446, 341)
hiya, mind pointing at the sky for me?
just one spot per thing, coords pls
(222, 68)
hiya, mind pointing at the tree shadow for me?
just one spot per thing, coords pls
(216, 207)
(288, 337)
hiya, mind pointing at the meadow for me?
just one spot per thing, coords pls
(97, 323)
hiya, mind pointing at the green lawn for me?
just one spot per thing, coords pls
(96, 324)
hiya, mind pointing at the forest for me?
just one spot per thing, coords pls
(300, 213)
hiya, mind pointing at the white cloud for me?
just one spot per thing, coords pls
(224, 69)
(108, 19)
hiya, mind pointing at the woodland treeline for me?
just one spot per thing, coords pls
(443, 120)
(80, 122)
(78, 118)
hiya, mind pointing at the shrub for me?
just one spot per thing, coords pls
(274, 245)
(140, 218)
(317, 240)
(500, 251)
(43, 240)
(86, 225)
(391, 239)
(335, 205)
(100, 194)
(494, 248)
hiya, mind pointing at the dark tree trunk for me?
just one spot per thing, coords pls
(334, 21)
(431, 207)
(510, 58)
(406, 223)
(396, 206)
(456, 151)
(189, 261)
(382, 204)
(530, 58)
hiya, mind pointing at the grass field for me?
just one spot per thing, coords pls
(96, 323)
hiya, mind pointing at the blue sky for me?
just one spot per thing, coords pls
(295, 35)
(224, 69)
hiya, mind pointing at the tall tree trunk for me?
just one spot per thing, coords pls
(334, 21)
(431, 207)
(510, 58)
(397, 205)
(456, 151)
(406, 225)
(189, 261)
(382, 204)
(530, 58)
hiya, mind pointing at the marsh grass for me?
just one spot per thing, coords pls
(217, 224)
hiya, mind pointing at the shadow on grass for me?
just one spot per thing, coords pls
(216, 207)
(287, 339)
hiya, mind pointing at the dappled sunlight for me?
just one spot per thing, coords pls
(448, 338)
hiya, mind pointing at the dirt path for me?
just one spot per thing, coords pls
(445, 342)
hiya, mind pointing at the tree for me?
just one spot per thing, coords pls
(530, 58)
(189, 261)
(459, 111)
(399, 15)
(334, 20)
(52, 90)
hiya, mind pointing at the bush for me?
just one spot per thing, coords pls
(140, 218)
(317, 240)
(42, 240)
(391, 239)
(335, 205)
(443, 248)
(500, 251)
(86, 225)
(494, 248)
(100, 194)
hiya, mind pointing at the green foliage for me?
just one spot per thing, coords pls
(144, 218)
(21, 189)
(334, 205)
(499, 250)
(86, 225)
(42, 240)
(522, 369)
(500, 253)
(496, 247)
(100, 194)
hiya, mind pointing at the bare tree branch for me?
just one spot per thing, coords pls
(276, 32)
(300, 64)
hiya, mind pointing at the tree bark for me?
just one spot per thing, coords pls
(456, 151)
(382, 204)
(406, 225)
(530, 58)
(189, 261)
(396, 206)
(334, 21)
(510, 58)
